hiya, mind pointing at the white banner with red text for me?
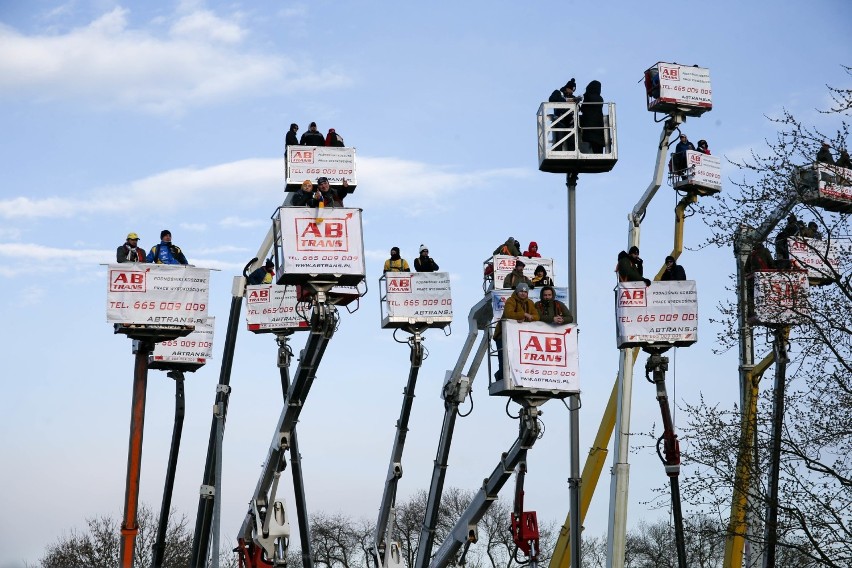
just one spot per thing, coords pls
(664, 312)
(417, 296)
(542, 356)
(196, 347)
(157, 294)
(272, 306)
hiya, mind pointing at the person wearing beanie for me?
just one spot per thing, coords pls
(673, 270)
(312, 137)
(130, 251)
(516, 276)
(166, 252)
(532, 250)
(424, 262)
(630, 267)
(396, 263)
(509, 248)
(262, 275)
(566, 124)
(518, 307)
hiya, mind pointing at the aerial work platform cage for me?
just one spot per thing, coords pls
(415, 300)
(313, 162)
(561, 148)
(678, 89)
(825, 186)
(695, 172)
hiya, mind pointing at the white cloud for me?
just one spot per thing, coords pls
(381, 182)
(195, 227)
(111, 64)
(239, 223)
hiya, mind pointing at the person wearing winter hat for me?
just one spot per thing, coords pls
(396, 263)
(166, 252)
(262, 275)
(333, 138)
(312, 137)
(424, 262)
(130, 251)
(673, 270)
(290, 139)
(518, 307)
(516, 276)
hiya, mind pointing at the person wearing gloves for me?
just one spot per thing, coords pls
(424, 262)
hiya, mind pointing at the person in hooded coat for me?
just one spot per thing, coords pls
(518, 307)
(630, 267)
(591, 119)
(508, 248)
(291, 139)
(262, 275)
(540, 278)
(673, 270)
(551, 310)
(532, 250)
(333, 139)
(396, 263)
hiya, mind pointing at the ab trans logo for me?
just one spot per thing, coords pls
(632, 297)
(670, 73)
(302, 157)
(260, 296)
(328, 234)
(400, 284)
(544, 348)
(128, 281)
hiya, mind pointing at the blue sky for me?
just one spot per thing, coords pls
(123, 117)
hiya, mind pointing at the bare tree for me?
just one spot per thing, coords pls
(815, 497)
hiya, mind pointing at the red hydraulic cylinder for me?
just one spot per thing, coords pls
(129, 527)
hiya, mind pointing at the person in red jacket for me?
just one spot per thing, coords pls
(532, 250)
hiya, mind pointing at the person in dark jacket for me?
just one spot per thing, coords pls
(673, 270)
(262, 275)
(565, 95)
(310, 197)
(312, 137)
(508, 248)
(130, 251)
(703, 147)
(424, 262)
(290, 139)
(540, 277)
(824, 154)
(304, 197)
(630, 267)
(166, 252)
(844, 161)
(551, 310)
(782, 247)
(591, 119)
(679, 158)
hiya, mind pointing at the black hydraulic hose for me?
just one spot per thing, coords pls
(180, 408)
(204, 517)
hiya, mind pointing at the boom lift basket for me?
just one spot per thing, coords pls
(778, 298)
(415, 298)
(678, 89)
(540, 360)
(664, 313)
(825, 186)
(695, 172)
(318, 245)
(312, 162)
(187, 354)
(561, 148)
(820, 258)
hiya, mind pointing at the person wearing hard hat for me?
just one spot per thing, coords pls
(130, 251)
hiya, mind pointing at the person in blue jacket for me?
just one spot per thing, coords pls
(166, 252)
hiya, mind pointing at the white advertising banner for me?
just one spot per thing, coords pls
(271, 306)
(817, 257)
(503, 265)
(499, 297)
(312, 162)
(781, 296)
(682, 84)
(541, 356)
(704, 170)
(664, 312)
(419, 296)
(196, 347)
(157, 294)
(322, 241)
